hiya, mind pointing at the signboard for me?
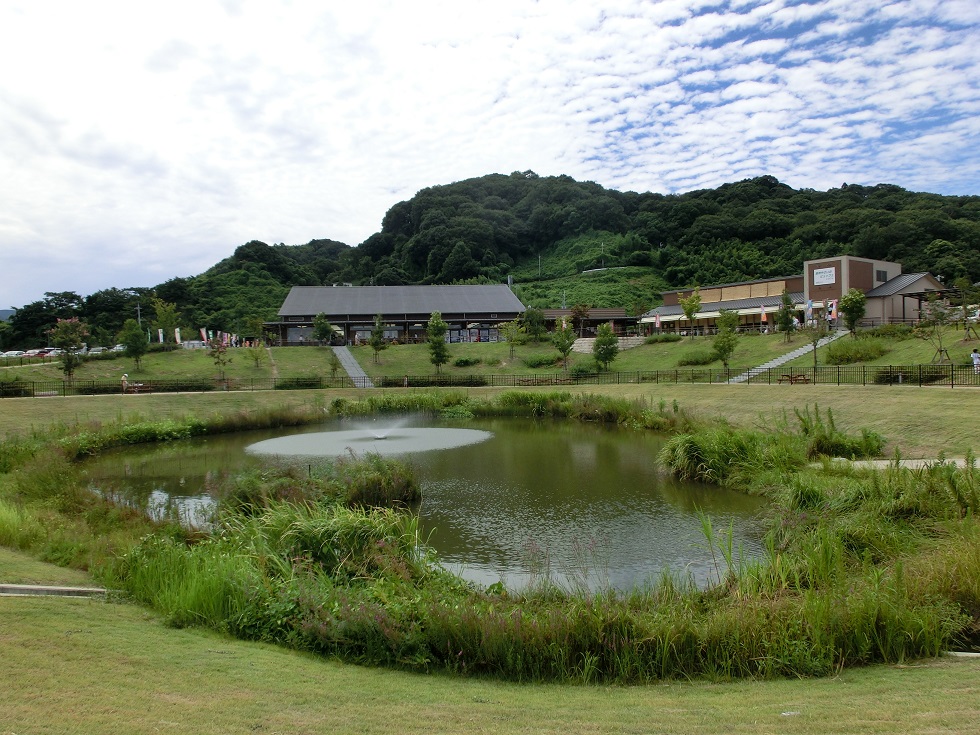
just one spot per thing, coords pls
(824, 276)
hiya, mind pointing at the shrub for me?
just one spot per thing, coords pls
(583, 369)
(704, 356)
(915, 374)
(850, 351)
(466, 361)
(655, 339)
(432, 381)
(895, 332)
(300, 383)
(15, 389)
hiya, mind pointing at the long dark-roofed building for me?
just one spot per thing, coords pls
(472, 312)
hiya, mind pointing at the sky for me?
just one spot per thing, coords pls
(145, 141)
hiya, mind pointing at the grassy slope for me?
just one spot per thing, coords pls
(120, 670)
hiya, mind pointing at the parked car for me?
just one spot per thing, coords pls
(55, 352)
(32, 353)
(119, 348)
(96, 350)
(13, 353)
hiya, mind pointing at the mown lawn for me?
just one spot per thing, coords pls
(87, 666)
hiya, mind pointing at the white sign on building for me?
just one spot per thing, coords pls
(824, 276)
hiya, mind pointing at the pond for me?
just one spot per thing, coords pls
(581, 505)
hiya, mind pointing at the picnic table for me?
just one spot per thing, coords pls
(793, 378)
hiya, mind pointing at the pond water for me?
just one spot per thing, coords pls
(513, 501)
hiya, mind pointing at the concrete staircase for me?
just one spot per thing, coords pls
(584, 344)
(783, 359)
(353, 368)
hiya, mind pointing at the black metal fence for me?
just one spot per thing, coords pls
(950, 376)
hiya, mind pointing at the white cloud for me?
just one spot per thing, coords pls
(149, 141)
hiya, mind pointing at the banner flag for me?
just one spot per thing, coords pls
(177, 334)
(833, 309)
(764, 319)
(809, 309)
(656, 320)
(204, 335)
(160, 335)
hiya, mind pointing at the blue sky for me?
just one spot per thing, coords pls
(141, 142)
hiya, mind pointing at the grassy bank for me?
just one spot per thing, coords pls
(918, 422)
(121, 670)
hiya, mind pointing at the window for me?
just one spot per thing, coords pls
(881, 276)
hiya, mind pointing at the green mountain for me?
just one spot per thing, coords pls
(563, 240)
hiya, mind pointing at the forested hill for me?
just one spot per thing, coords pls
(545, 231)
(492, 226)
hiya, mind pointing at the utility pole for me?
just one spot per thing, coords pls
(139, 319)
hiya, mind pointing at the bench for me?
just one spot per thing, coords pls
(793, 379)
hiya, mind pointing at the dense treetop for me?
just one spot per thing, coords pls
(562, 239)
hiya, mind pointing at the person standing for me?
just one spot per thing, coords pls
(125, 378)
(976, 361)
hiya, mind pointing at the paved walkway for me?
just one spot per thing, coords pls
(353, 368)
(33, 590)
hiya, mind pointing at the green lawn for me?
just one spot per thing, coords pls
(87, 666)
(494, 358)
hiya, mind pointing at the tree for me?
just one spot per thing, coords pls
(534, 323)
(438, 349)
(727, 338)
(785, 317)
(563, 338)
(515, 333)
(255, 328)
(377, 338)
(218, 351)
(69, 335)
(851, 307)
(256, 354)
(936, 315)
(967, 300)
(322, 328)
(335, 364)
(580, 314)
(691, 306)
(606, 346)
(167, 319)
(133, 338)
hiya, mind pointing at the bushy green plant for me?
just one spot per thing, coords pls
(823, 437)
(583, 369)
(896, 332)
(664, 338)
(704, 356)
(913, 374)
(461, 362)
(848, 352)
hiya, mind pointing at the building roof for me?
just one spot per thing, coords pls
(400, 300)
(906, 282)
(744, 305)
(735, 283)
(596, 314)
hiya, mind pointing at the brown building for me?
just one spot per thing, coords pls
(892, 295)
